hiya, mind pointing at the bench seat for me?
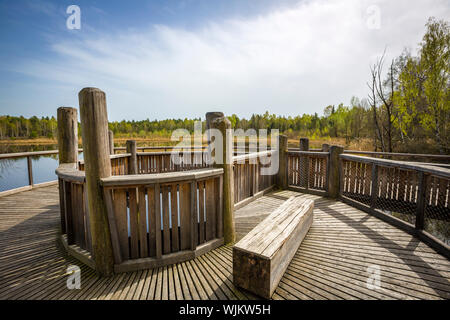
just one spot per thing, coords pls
(262, 256)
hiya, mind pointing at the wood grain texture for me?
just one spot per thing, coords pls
(331, 262)
(262, 256)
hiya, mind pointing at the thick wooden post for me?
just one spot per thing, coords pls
(111, 141)
(333, 173)
(304, 144)
(210, 116)
(282, 164)
(94, 129)
(325, 147)
(132, 163)
(67, 135)
(224, 125)
(67, 153)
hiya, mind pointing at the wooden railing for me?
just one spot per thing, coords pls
(414, 197)
(155, 219)
(249, 180)
(73, 206)
(163, 218)
(308, 171)
(29, 157)
(157, 162)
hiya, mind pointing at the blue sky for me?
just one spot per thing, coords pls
(176, 59)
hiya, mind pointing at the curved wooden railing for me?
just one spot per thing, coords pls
(249, 182)
(155, 219)
(412, 196)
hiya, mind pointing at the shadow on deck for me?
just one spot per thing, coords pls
(343, 248)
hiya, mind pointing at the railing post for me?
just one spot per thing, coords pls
(94, 129)
(210, 116)
(67, 119)
(111, 141)
(282, 161)
(333, 173)
(303, 163)
(224, 126)
(30, 171)
(304, 144)
(325, 147)
(421, 201)
(374, 187)
(67, 135)
(132, 163)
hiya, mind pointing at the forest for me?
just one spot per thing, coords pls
(407, 108)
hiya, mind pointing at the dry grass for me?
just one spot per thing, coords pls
(355, 144)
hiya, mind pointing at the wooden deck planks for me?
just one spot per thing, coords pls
(331, 263)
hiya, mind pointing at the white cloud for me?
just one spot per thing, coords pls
(291, 61)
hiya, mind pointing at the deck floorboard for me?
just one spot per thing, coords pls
(331, 263)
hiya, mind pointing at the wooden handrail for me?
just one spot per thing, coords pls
(313, 153)
(399, 154)
(438, 171)
(151, 178)
(253, 155)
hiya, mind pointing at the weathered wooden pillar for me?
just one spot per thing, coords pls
(304, 144)
(67, 135)
(224, 125)
(111, 141)
(132, 162)
(333, 173)
(282, 161)
(67, 119)
(94, 129)
(304, 164)
(210, 116)
(325, 147)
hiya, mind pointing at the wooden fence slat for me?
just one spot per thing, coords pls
(120, 212)
(157, 226)
(142, 214)
(201, 211)
(174, 213)
(210, 209)
(185, 216)
(151, 207)
(166, 221)
(133, 219)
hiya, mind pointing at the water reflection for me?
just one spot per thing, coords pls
(14, 172)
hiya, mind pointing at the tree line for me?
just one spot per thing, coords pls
(407, 108)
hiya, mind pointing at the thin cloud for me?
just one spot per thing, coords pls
(291, 61)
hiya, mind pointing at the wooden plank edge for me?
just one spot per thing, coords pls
(78, 253)
(167, 259)
(27, 188)
(257, 195)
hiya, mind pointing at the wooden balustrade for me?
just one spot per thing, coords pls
(158, 162)
(249, 180)
(73, 206)
(413, 197)
(155, 219)
(308, 171)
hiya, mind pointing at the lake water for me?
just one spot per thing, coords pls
(14, 172)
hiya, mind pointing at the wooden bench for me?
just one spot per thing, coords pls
(262, 256)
